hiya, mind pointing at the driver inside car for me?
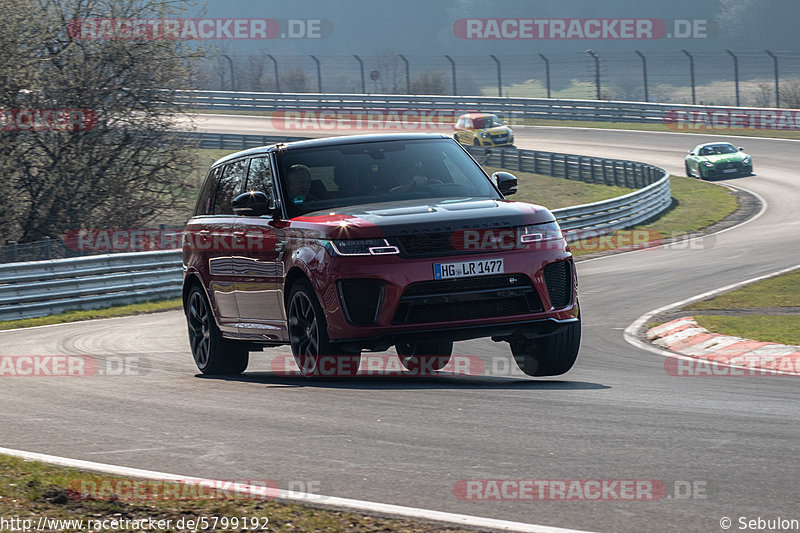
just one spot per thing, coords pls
(412, 178)
(299, 184)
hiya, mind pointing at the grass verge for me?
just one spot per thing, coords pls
(783, 329)
(780, 291)
(777, 292)
(695, 205)
(555, 193)
(108, 312)
(30, 490)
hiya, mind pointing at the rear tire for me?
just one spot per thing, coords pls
(424, 357)
(313, 351)
(549, 356)
(213, 354)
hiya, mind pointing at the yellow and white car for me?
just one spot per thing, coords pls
(483, 129)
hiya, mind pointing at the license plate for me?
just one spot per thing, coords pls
(729, 170)
(465, 269)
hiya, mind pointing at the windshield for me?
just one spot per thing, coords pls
(487, 122)
(717, 149)
(328, 177)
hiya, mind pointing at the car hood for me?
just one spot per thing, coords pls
(724, 158)
(415, 217)
(497, 130)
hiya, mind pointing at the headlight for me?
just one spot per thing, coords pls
(706, 163)
(347, 247)
(484, 134)
(746, 160)
(549, 231)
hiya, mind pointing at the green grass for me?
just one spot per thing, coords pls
(696, 205)
(699, 205)
(554, 193)
(780, 291)
(783, 329)
(108, 312)
(30, 489)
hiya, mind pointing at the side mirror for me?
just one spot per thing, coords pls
(252, 204)
(741, 149)
(507, 183)
(691, 152)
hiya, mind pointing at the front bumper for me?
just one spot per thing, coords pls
(404, 300)
(489, 141)
(727, 169)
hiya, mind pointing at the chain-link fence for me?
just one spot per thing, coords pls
(685, 77)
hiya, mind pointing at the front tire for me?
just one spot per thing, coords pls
(213, 354)
(688, 171)
(552, 355)
(314, 353)
(424, 357)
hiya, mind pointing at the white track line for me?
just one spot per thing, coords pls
(299, 497)
(632, 332)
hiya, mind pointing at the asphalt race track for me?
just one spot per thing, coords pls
(617, 415)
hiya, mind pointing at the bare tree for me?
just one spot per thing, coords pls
(122, 164)
(434, 82)
(790, 93)
(295, 80)
(392, 73)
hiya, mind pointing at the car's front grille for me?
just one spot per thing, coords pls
(465, 299)
(429, 245)
(558, 278)
(724, 166)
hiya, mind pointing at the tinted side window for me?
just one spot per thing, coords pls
(259, 177)
(230, 183)
(204, 201)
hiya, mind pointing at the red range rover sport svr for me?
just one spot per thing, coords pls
(369, 242)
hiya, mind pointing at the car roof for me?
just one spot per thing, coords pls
(330, 141)
(714, 144)
(477, 115)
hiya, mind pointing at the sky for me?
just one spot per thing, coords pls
(429, 26)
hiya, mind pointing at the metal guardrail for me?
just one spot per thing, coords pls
(528, 108)
(651, 199)
(39, 288)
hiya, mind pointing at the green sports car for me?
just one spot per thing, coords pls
(714, 160)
